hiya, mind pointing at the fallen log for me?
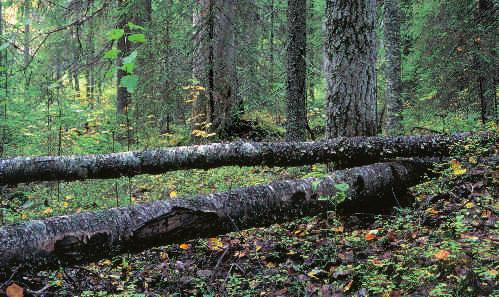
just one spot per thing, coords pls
(85, 237)
(350, 152)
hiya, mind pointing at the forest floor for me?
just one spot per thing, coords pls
(444, 243)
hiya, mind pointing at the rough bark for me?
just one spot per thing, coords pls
(392, 121)
(296, 71)
(215, 66)
(27, 33)
(85, 237)
(347, 151)
(485, 57)
(124, 46)
(350, 58)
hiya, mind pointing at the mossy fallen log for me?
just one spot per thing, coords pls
(347, 152)
(86, 237)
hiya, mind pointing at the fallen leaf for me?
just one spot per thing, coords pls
(215, 244)
(348, 286)
(457, 168)
(185, 246)
(47, 211)
(371, 235)
(14, 290)
(431, 211)
(442, 255)
(469, 205)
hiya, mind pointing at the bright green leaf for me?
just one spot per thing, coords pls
(139, 38)
(115, 34)
(129, 82)
(112, 53)
(133, 26)
(342, 187)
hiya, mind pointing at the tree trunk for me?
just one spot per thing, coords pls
(75, 36)
(297, 71)
(392, 123)
(215, 66)
(27, 33)
(350, 57)
(85, 237)
(485, 57)
(349, 151)
(3, 102)
(122, 95)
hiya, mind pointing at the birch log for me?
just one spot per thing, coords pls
(349, 152)
(85, 237)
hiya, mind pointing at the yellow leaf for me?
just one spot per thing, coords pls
(270, 265)
(258, 247)
(312, 274)
(348, 286)
(339, 229)
(107, 262)
(47, 211)
(185, 246)
(215, 244)
(431, 211)
(473, 160)
(300, 232)
(442, 255)
(457, 168)
(14, 290)
(65, 204)
(173, 194)
(469, 205)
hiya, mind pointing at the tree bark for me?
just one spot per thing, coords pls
(27, 33)
(85, 237)
(485, 57)
(392, 122)
(350, 58)
(215, 66)
(347, 151)
(297, 71)
(122, 95)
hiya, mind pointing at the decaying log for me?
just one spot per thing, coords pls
(84, 237)
(350, 152)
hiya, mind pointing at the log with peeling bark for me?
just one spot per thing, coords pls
(85, 237)
(349, 152)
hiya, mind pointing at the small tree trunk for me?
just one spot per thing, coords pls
(485, 57)
(27, 33)
(350, 68)
(297, 71)
(393, 116)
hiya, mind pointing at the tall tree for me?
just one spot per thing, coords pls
(393, 116)
(350, 56)
(124, 47)
(27, 35)
(485, 18)
(215, 65)
(137, 12)
(297, 70)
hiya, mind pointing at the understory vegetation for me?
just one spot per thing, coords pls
(441, 240)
